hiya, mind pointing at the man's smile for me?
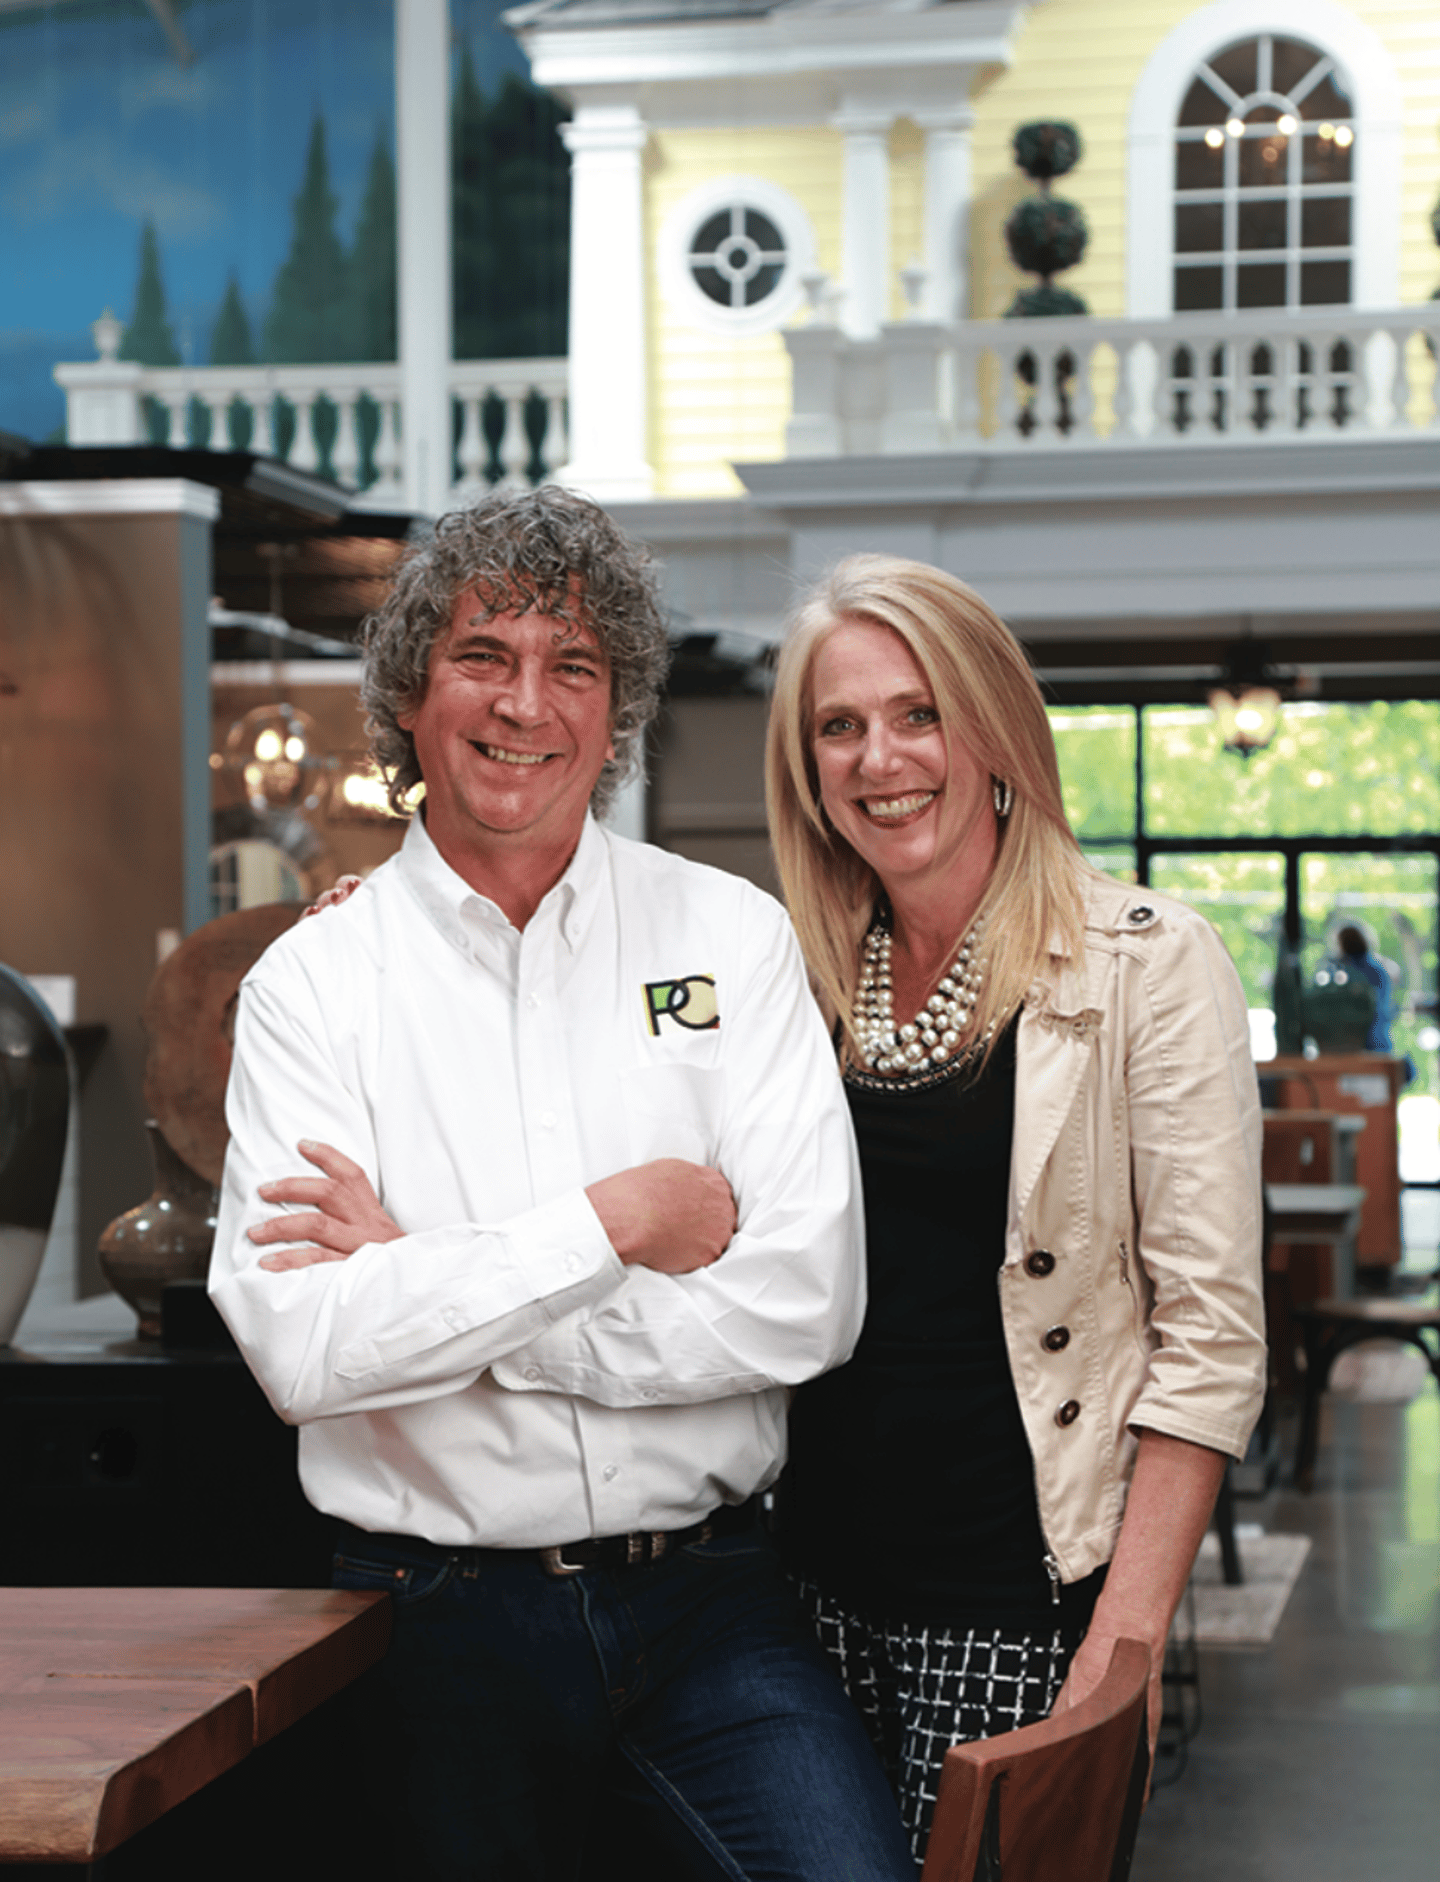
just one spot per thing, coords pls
(504, 756)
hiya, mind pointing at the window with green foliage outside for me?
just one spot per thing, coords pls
(1332, 770)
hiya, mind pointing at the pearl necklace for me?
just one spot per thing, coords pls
(938, 1029)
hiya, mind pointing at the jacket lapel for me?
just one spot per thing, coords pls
(1052, 1049)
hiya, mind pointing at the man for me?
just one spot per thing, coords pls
(583, 1213)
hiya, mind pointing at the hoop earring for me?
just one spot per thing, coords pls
(1003, 792)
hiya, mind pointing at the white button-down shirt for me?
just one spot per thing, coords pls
(497, 1376)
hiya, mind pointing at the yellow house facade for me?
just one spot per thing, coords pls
(876, 138)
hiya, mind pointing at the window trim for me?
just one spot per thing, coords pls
(1368, 74)
(683, 293)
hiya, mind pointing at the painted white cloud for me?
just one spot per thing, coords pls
(20, 123)
(88, 169)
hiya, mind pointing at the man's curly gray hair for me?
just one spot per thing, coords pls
(550, 551)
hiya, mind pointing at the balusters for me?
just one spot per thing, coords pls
(386, 455)
(474, 450)
(1082, 391)
(262, 425)
(1400, 380)
(514, 443)
(1126, 363)
(177, 404)
(304, 452)
(1007, 400)
(1044, 401)
(218, 406)
(555, 447)
(345, 452)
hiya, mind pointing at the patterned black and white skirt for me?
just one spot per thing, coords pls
(921, 1689)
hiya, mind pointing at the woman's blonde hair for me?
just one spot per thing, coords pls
(987, 697)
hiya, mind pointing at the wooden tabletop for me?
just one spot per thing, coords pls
(118, 1703)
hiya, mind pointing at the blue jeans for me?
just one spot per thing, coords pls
(672, 1723)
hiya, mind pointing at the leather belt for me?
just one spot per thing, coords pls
(643, 1546)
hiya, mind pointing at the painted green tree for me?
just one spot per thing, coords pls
(149, 338)
(230, 339)
(511, 210)
(310, 314)
(372, 261)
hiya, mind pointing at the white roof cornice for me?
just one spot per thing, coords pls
(787, 44)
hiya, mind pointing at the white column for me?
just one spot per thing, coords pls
(865, 222)
(947, 212)
(608, 405)
(422, 167)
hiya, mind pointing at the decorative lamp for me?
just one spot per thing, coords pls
(1247, 707)
(1248, 719)
(276, 752)
(360, 793)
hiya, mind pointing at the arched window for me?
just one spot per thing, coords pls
(1264, 168)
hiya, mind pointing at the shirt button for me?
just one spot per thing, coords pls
(1068, 1412)
(452, 1318)
(533, 1372)
(649, 1393)
(1039, 1262)
(572, 1262)
(1056, 1340)
(547, 1120)
(610, 1472)
(534, 999)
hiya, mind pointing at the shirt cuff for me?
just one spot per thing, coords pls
(560, 1245)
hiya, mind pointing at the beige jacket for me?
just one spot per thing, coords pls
(1131, 1288)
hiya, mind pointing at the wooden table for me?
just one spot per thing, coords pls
(1317, 1213)
(118, 1703)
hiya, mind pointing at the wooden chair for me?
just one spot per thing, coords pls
(1055, 1802)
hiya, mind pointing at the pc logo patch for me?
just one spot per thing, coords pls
(689, 1004)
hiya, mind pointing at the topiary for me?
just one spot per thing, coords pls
(1046, 234)
(1045, 150)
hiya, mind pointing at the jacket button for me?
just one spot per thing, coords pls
(1068, 1412)
(1056, 1340)
(1141, 915)
(1039, 1261)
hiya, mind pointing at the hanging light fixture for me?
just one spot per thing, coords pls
(276, 753)
(1246, 708)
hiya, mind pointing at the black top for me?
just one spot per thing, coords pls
(911, 1491)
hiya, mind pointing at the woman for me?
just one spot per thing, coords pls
(1060, 1147)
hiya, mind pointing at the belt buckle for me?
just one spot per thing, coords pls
(552, 1560)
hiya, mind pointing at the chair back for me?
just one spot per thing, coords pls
(1055, 1802)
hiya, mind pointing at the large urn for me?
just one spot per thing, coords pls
(34, 1113)
(166, 1238)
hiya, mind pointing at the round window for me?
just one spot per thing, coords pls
(733, 255)
(737, 257)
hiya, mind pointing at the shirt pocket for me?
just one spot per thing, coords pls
(673, 1111)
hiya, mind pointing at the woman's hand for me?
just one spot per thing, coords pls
(345, 1213)
(341, 891)
(1171, 1497)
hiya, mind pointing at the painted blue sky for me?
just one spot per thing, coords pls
(101, 127)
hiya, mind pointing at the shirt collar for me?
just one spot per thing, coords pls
(451, 903)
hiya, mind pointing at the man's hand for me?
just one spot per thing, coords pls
(345, 1213)
(668, 1215)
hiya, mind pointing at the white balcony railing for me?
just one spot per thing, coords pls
(342, 422)
(1035, 384)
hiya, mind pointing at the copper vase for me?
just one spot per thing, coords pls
(165, 1238)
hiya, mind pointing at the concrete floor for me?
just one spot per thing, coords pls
(1318, 1760)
